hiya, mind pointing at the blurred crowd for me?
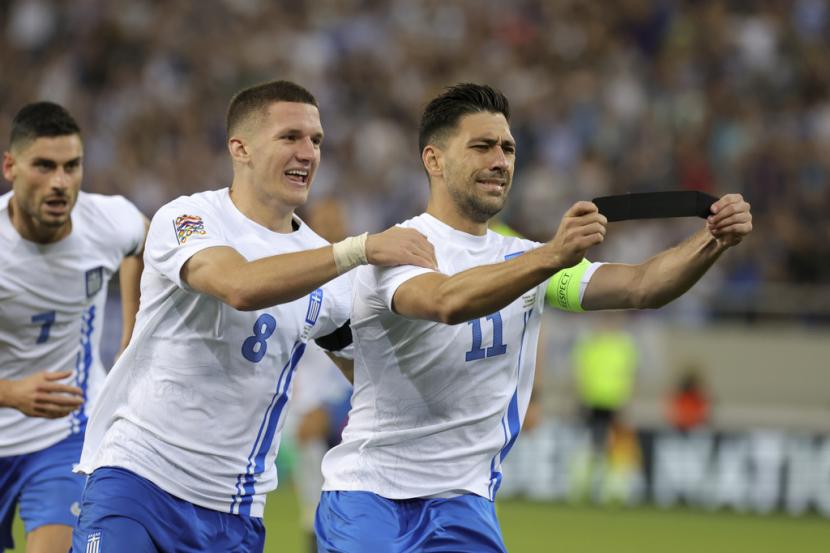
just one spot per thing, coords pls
(607, 97)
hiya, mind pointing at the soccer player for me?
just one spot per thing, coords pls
(443, 363)
(181, 450)
(58, 249)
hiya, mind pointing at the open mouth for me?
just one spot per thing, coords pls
(492, 185)
(298, 176)
(57, 205)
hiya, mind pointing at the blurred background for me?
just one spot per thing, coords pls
(720, 400)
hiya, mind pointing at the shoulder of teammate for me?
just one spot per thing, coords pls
(117, 218)
(374, 286)
(4, 199)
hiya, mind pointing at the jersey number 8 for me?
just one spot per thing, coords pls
(254, 347)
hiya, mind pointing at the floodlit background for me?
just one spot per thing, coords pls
(607, 97)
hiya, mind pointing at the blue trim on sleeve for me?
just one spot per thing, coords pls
(512, 255)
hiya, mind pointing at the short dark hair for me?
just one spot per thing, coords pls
(260, 96)
(41, 119)
(443, 112)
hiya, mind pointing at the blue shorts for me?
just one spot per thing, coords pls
(43, 484)
(121, 511)
(348, 522)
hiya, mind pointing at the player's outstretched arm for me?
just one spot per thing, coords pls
(482, 290)
(669, 274)
(41, 395)
(248, 285)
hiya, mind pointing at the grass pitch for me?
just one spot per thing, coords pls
(554, 528)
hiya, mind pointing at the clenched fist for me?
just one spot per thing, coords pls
(582, 227)
(730, 221)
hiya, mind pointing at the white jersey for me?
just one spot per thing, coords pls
(319, 382)
(197, 401)
(436, 408)
(52, 300)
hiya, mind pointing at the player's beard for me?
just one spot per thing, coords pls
(476, 205)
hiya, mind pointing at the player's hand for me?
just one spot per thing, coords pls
(730, 221)
(582, 227)
(400, 246)
(41, 395)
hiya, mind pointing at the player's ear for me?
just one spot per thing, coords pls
(433, 160)
(238, 149)
(8, 166)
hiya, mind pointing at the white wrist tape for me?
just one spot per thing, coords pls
(350, 253)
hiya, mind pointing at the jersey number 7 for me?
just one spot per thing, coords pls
(45, 319)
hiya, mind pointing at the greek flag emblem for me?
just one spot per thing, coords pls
(315, 301)
(93, 542)
(94, 281)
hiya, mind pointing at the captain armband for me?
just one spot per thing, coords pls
(563, 287)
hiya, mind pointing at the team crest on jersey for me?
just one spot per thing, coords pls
(315, 302)
(188, 225)
(94, 281)
(93, 542)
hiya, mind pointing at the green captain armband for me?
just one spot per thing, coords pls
(563, 287)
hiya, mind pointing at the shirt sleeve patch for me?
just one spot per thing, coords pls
(188, 225)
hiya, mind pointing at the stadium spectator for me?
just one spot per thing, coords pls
(688, 405)
(59, 247)
(437, 403)
(182, 449)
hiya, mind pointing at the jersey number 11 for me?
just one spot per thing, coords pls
(498, 347)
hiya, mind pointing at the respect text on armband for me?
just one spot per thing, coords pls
(562, 290)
